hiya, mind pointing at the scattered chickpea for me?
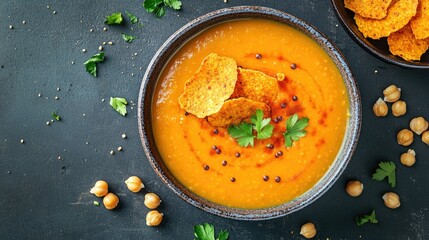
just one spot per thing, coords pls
(408, 158)
(119, 148)
(110, 201)
(112, 152)
(10, 27)
(354, 188)
(134, 184)
(425, 137)
(100, 189)
(308, 230)
(154, 218)
(22, 141)
(392, 94)
(151, 200)
(391, 200)
(100, 48)
(418, 125)
(399, 108)
(124, 136)
(380, 108)
(405, 137)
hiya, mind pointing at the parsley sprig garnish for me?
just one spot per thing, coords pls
(262, 125)
(206, 231)
(157, 6)
(91, 64)
(128, 38)
(114, 19)
(133, 18)
(56, 116)
(119, 104)
(243, 133)
(295, 129)
(386, 169)
(361, 220)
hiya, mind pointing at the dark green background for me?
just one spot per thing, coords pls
(42, 197)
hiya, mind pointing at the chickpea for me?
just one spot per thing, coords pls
(151, 200)
(154, 218)
(100, 189)
(134, 184)
(425, 137)
(405, 137)
(308, 230)
(110, 201)
(392, 94)
(380, 108)
(408, 158)
(418, 125)
(391, 200)
(354, 188)
(399, 108)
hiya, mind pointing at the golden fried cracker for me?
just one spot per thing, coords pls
(375, 9)
(211, 85)
(398, 15)
(403, 43)
(236, 110)
(420, 22)
(255, 85)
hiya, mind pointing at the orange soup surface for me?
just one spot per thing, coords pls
(209, 162)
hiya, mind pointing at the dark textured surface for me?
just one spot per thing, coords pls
(42, 197)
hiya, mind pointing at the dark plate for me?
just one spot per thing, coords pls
(377, 47)
(190, 30)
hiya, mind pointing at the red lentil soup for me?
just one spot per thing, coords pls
(209, 162)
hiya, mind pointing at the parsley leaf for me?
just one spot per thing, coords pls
(91, 64)
(115, 18)
(243, 133)
(133, 18)
(119, 104)
(56, 116)
(128, 38)
(174, 4)
(262, 125)
(361, 220)
(157, 6)
(295, 129)
(206, 231)
(386, 169)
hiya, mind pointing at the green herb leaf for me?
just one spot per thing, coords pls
(128, 38)
(295, 129)
(119, 104)
(114, 19)
(174, 4)
(96, 203)
(262, 125)
(223, 235)
(243, 133)
(157, 6)
(361, 220)
(206, 231)
(91, 64)
(386, 169)
(133, 18)
(56, 116)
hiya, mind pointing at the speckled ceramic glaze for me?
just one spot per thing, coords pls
(379, 48)
(162, 56)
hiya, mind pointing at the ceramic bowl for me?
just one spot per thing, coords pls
(188, 31)
(378, 48)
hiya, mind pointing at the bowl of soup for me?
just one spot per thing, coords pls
(249, 113)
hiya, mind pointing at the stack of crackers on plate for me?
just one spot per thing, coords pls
(405, 23)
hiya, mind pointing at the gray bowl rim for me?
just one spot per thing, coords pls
(192, 29)
(342, 14)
